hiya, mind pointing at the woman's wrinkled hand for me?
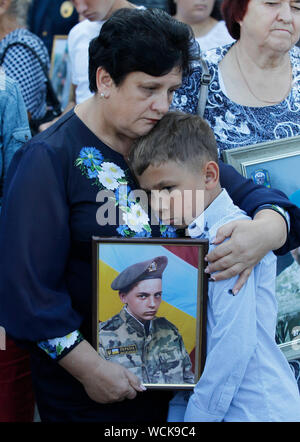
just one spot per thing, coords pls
(109, 382)
(104, 382)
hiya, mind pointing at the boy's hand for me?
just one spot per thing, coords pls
(249, 241)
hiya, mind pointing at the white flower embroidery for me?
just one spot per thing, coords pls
(65, 341)
(136, 218)
(108, 180)
(112, 169)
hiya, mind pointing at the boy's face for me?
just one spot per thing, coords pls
(176, 193)
(144, 299)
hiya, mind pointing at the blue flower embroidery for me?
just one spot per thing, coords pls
(108, 175)
(91, 156)
(168, 231)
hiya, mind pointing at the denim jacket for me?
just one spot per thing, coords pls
(14, 128)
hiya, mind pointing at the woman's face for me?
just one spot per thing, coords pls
(273, 24)
(194, 11)
(139, 102)
(94, 10)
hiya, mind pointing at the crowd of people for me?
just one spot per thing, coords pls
(137, 77)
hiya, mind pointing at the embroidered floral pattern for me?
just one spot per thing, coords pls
(235, 125)
(56, 348)
(109, 176)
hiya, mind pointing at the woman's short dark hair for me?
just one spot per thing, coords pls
(233, 11)
(144, 40)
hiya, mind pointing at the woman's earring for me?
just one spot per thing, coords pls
(102, 95)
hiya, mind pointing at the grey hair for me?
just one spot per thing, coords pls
(19, 10)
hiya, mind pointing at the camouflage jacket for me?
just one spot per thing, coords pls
(158, 357)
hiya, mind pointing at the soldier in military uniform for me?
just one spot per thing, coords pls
(150, 346)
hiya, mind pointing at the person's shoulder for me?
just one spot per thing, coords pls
(26, 37)
(163, 323)
(112, 324)
(8, 86)
(215, 55)
(56, 141)
(221, 26)
(295, 54)
(84, 28)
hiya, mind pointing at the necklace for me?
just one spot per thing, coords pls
(251, 91)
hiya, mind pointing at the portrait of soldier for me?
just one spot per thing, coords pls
(148, 345)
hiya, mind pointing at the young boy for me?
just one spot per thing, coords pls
(246, 376)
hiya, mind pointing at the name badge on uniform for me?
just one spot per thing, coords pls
(128, 349)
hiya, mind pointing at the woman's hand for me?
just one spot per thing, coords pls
(250, 241)
(104, 381)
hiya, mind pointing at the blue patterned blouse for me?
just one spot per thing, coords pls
(235, 125)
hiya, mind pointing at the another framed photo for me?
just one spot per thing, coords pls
(149, 309)
(60, 71)
(277, 164)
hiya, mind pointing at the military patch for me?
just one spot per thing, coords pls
(128, 349)
(66, 9)
(152, 267)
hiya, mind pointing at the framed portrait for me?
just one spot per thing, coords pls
(149, 307)
(60, 70)
(277, 164)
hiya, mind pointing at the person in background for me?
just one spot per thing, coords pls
(252, 79)
(14, 127)
(18, 61)
(47, 18)
(163, 4)
(210, 32)
(95, 13)
(16, 391)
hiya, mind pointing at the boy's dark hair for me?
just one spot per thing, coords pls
(144, 40)
(179, 137)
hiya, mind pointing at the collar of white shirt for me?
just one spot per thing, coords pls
(220, 211)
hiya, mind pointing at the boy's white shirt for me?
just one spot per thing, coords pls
(246, 376)
(79, 39)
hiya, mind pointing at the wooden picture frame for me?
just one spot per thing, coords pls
(60, 69)
(178, 328)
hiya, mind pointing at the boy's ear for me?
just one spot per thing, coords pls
(211, 175)
(104, 82)
(122, 297)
